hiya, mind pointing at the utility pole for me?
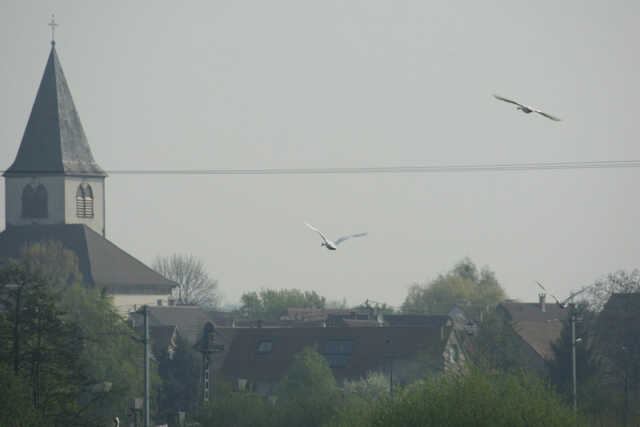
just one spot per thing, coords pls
(145, 310)
(207, 347)
(573, 358)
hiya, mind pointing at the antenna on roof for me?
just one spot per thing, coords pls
(53, 26)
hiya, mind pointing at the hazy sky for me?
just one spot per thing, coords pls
(301, 84)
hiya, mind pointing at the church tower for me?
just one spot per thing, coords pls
(54, 178)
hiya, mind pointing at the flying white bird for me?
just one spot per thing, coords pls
(525, 109)
(566, 302)
(332, 245)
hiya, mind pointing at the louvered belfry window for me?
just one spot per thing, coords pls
(84, 201)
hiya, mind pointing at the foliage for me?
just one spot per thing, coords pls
(66, 344)
(587, 364)
(371, 386)
(110, 350)
(181, 379)
(306, 396)
(195, 286)
(618, 343)
(269, 304)
(41, 347)
(239, 409)
(480, 398)
(598, 293)
(16, 407)
(308, 393)
(497, 344)
(462, 285)
(50, 260)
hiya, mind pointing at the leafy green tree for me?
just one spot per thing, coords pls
(16, 406)
(180, 379)
(587, 364)
(462, 285)
(41, 346)
(308, 393)
(110, 350)
(268, 304)
(239, 409)
(618, 342)
(497, 344)
(479, 398)
(371, 386)
(66, 341)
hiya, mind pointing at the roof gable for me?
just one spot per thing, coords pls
(54, 140)
(536, 327)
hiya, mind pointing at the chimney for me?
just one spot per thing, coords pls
(543, 305)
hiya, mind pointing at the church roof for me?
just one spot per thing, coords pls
(102, 263)
(54, 141)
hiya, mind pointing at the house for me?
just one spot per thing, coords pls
(188, 319)
(259, 358)
(537, 325)
(55, 191)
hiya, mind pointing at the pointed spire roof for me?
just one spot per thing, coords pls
(54, 141)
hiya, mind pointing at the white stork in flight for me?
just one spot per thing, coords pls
(525, 109)
(333, 245)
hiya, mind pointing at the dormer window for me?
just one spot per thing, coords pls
(34, 202)
(84, 201)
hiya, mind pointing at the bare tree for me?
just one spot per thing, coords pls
(188, 271)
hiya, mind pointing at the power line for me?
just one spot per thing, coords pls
(483, 167)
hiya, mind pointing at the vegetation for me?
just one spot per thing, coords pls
(309, 396)
(480, 398)
(268, 304)
(463, 285)
(65, 352)
(598, 293)
(195, 286)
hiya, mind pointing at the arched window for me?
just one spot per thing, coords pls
(28, 201)
(40, 207)
(84, 201)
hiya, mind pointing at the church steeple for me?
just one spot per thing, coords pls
(54, 141)
(54, 178)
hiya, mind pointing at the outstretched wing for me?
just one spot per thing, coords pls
(548, 116)
(324, 239)
(343, 238)
(573, 295)
(542, 287)
(510, 101)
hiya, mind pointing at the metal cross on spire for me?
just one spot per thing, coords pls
(53, 26)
